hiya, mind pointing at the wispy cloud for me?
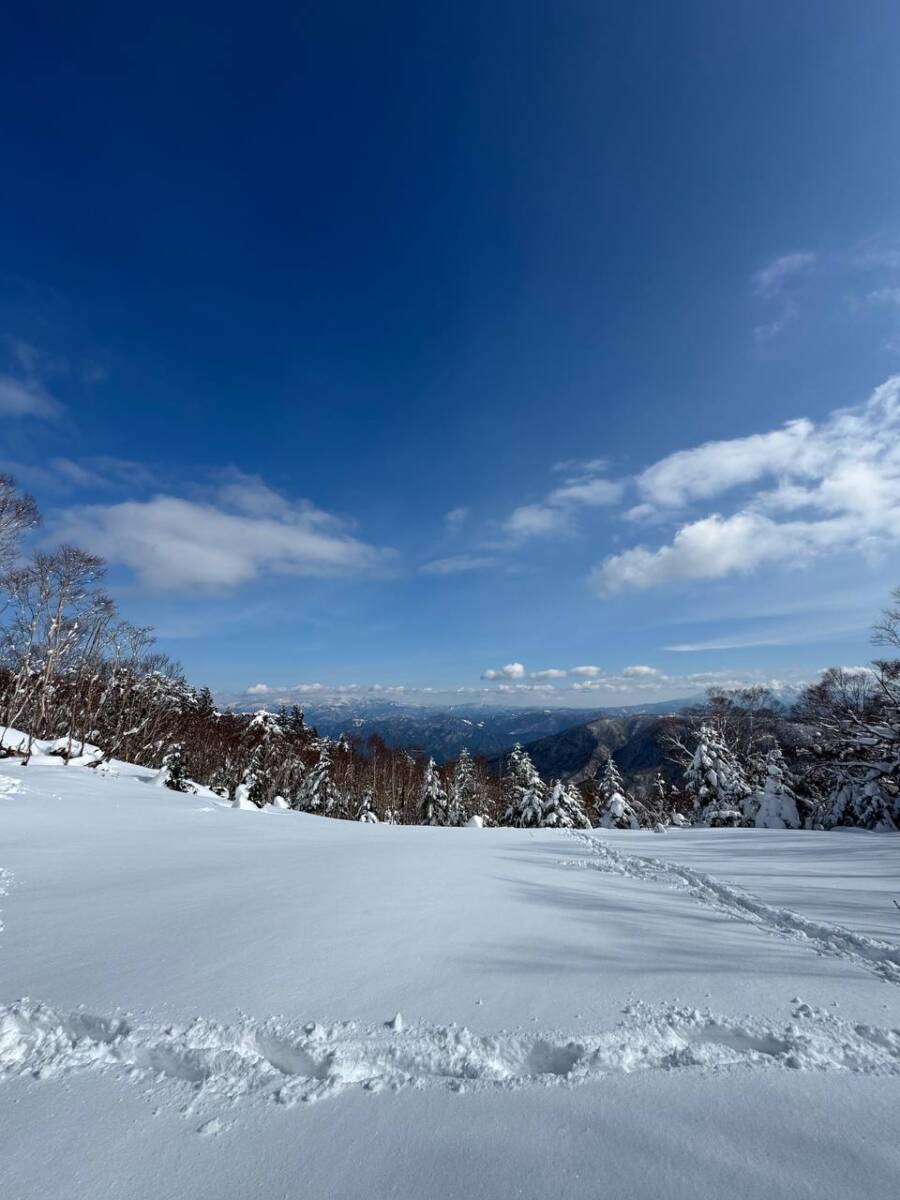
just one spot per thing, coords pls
(554, 515)
(772, 283)
(770, 280)
(456, 518)
(26, 398)
(457, 564)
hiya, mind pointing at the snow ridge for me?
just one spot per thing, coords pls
(276, 1060)
(882, 958)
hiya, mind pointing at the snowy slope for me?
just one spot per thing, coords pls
(696, 1014)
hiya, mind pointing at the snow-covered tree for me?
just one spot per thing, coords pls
(318, 793)
(365, 812)
(855, 763)
(776, 803)
(658, 799)
(716, 780)
(615, 808)
(463, 790)
(176, 772)
(563, 808)
(433, 797)
(524, 790)
(610, 782)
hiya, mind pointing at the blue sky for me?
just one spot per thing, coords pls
(406, 346)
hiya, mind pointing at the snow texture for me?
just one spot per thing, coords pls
(182, 982)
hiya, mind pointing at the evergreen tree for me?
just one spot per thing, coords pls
(525, 792)
(433, 797)
(610, 782)
(318, 792)
(564, 808)
(615, 808)
(463, 790)
(574, 806)
(296, 724)
(716, 780)
(176, 776)
(659, 797)
(776, 804)
(268, 767)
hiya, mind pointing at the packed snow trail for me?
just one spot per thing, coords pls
(307, 1063)
(882, 958)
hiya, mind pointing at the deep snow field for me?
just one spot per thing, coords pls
(198, 1001)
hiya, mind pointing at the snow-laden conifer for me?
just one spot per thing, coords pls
(716, 780)
(433, 797)
(776, 803)
(524, 790)
(463, 795)
(318, 792)
(616, 809)
(564, 809)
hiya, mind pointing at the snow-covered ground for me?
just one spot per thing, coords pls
(200, 1001)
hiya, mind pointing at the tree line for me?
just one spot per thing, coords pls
(92, 688)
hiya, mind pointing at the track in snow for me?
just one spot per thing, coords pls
(288, 1063)
(882, 958)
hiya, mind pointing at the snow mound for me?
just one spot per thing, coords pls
(288, 1064)
(883, 958)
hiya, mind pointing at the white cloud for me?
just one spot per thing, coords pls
(177, 544)
(456, 518)
(840, 483)
(513, 670)
(771, 278)
(549, 673)
(28, 399)
(773, 282)
(885, 295)
(525, 687)
(537, 520)
(457, 564)
(732, 643)
(888, 297)
(589, 671)
(877, 253)
(768, 330)
(95, 472)
(714, 467)
(593, 466)
(554, 515)
(642, 672)
(259, 689)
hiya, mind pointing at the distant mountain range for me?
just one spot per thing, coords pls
(482, 729)
(636, 737)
